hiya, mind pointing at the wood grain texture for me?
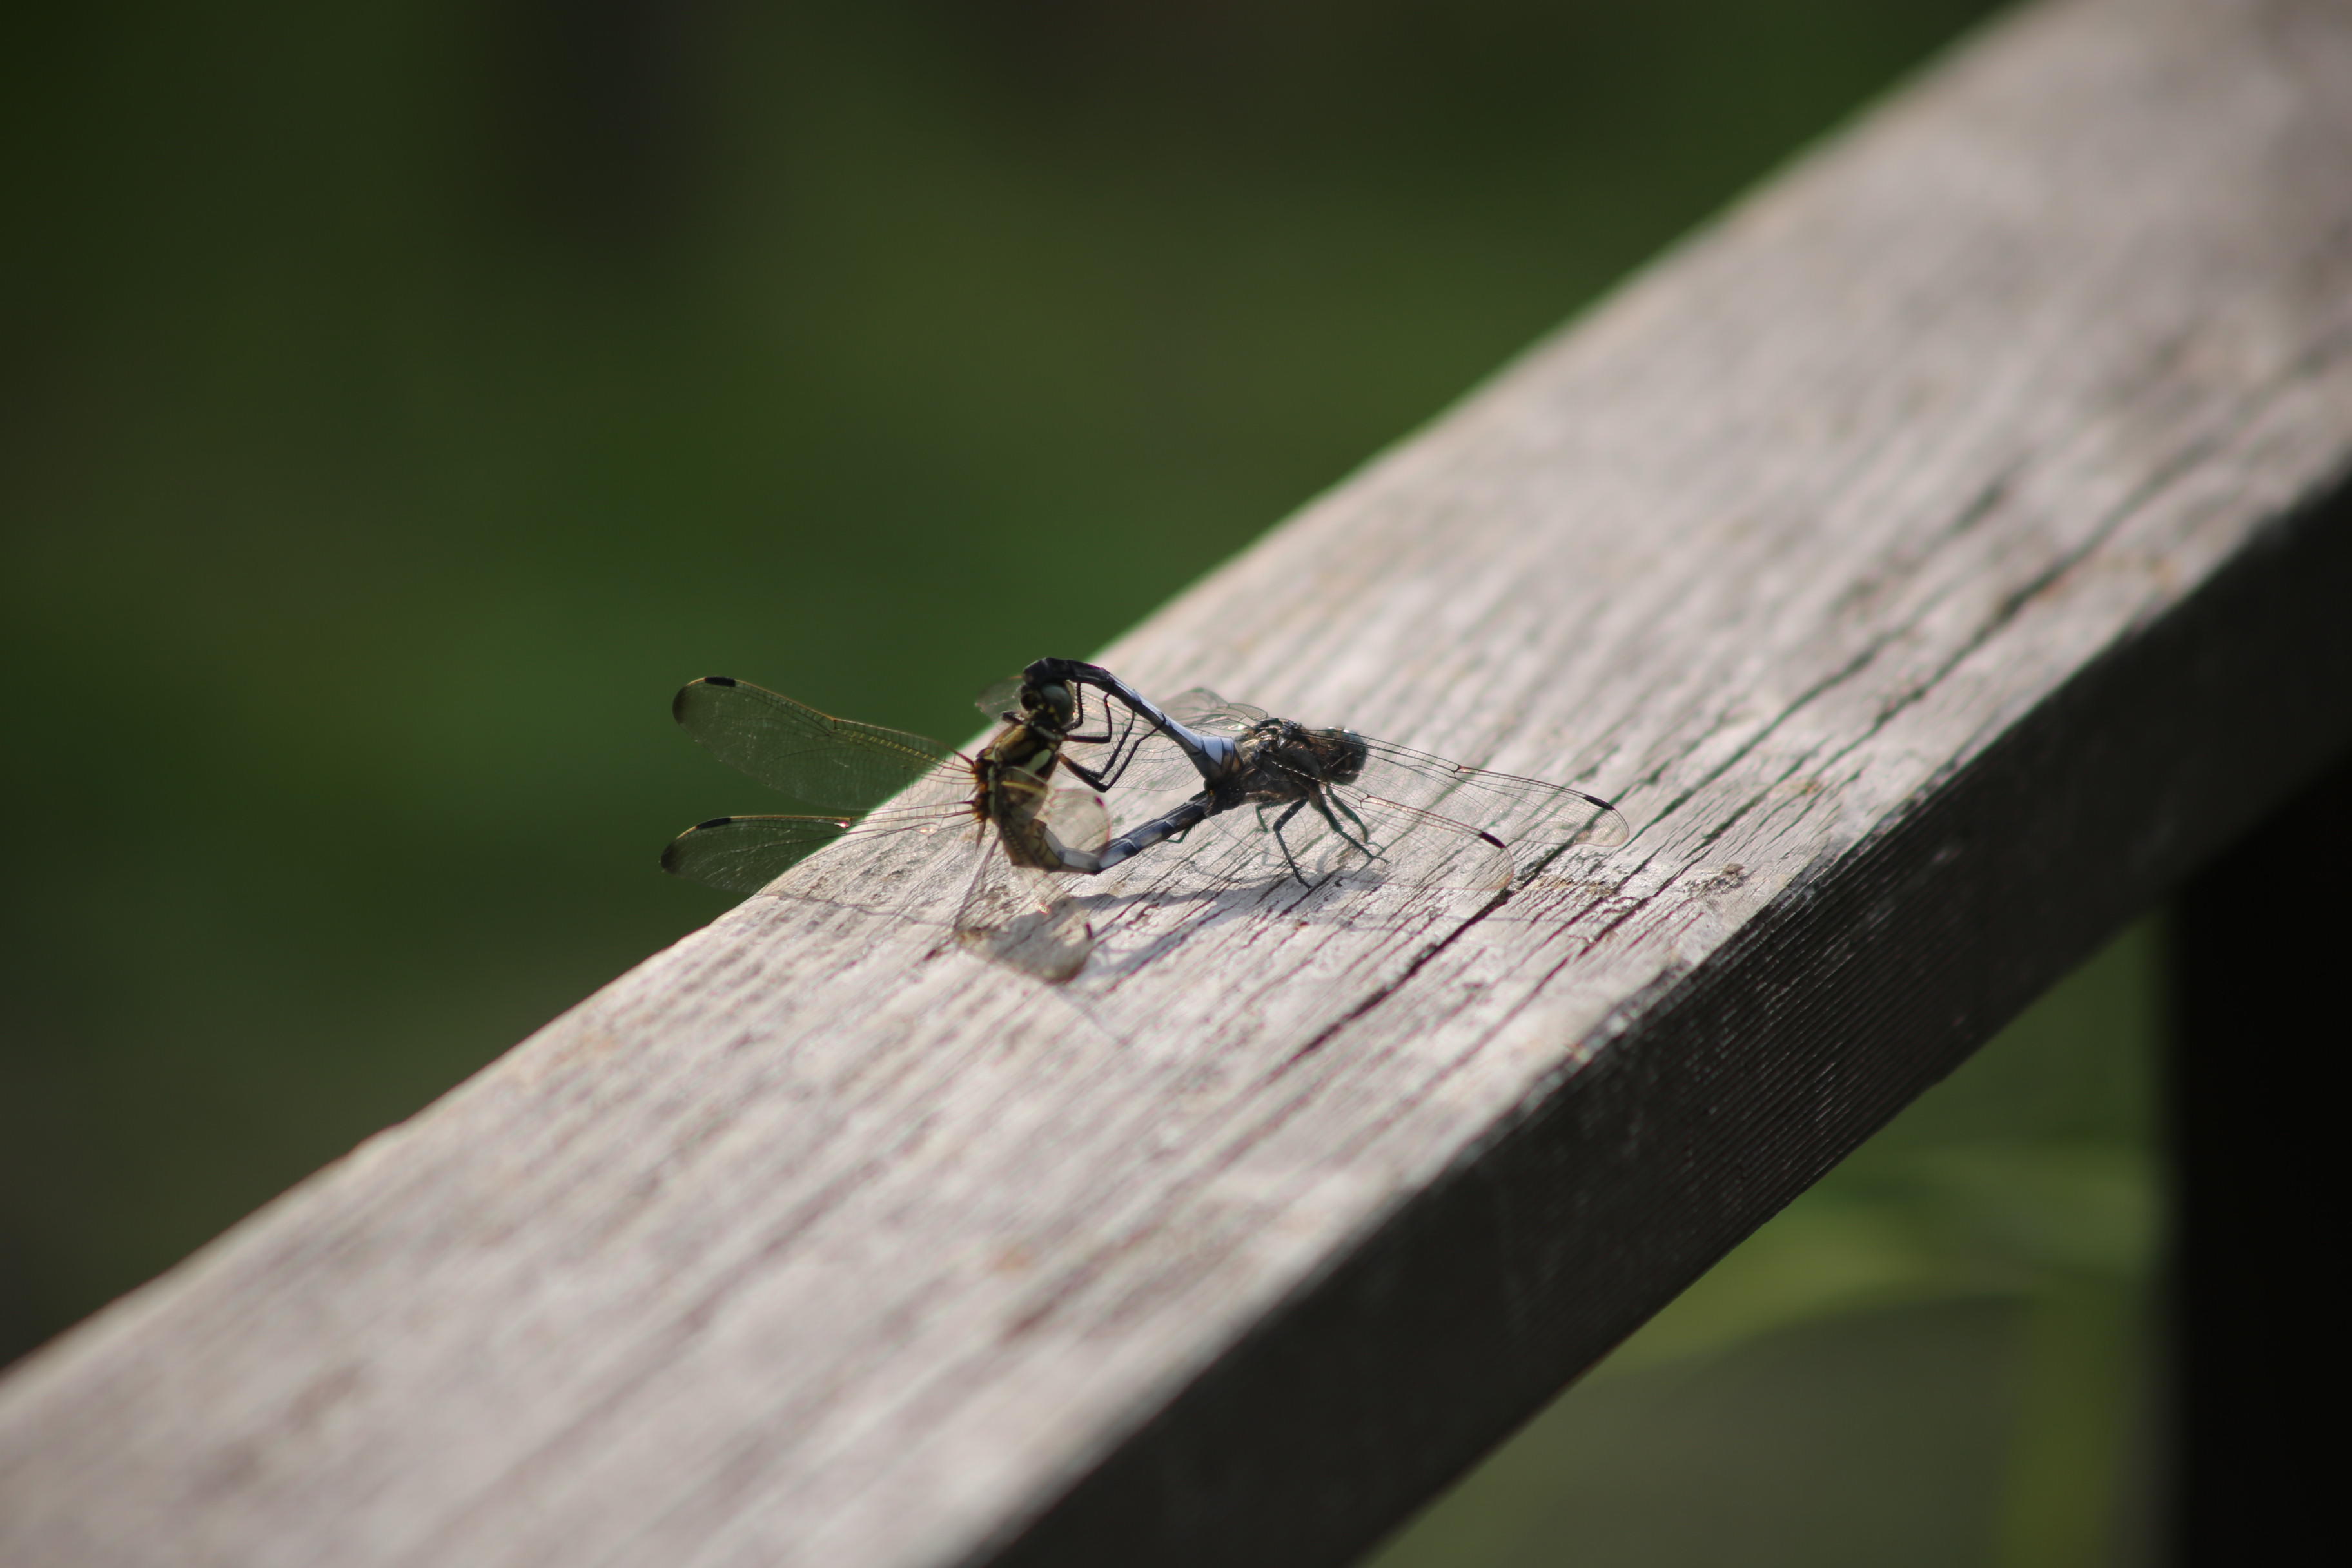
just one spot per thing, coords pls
(1938, 558)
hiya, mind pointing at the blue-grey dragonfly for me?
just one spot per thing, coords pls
(1331, 804)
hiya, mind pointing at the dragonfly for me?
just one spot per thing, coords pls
(1331, 804)
(1004, 797)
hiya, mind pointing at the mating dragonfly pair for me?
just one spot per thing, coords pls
(1318, 806)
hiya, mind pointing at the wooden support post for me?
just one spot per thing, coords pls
(1936, 558)
(2261, 940)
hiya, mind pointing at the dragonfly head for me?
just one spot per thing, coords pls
(1049, 705)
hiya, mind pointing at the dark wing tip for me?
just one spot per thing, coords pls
(678, 704)
(1492, 839)
(674, 852)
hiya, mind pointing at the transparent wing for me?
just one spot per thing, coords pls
(1000, 698)
(1020, 915)
(812, 756)
(1516, 810)
(1322, 832)
(1366, 839)
(1380, 827)
(1026, 917)
(1073, 819)
(744, 854)
(1204, 710)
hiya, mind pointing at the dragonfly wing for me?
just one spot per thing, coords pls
(1299, 843)
(1204, 710)
(744, 854)
(1043, 827)
(1022, 917)
(1514, 809)
(1075, 820)
(1001, 698)
(809, 755)
(1392, 843)
(1317, 831)
(1136, 761)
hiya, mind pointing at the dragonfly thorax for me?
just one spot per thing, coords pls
(1281, 760)
(1013, 772)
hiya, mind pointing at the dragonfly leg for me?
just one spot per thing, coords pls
(1079, 720)
(1092, 779)
(1121, 739)
(1275, 829)
(1123, 750)
(1324, 800)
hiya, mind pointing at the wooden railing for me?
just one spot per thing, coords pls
(1940, 558)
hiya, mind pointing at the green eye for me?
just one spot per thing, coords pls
(1055, 700)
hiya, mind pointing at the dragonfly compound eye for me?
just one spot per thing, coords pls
(1055, 701)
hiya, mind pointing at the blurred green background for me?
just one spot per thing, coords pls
(403, 399)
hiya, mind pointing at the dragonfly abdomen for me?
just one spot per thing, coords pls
(1136, 840)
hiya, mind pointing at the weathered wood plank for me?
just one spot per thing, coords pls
(1937, 560)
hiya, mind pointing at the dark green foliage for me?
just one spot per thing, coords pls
(364, 361)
